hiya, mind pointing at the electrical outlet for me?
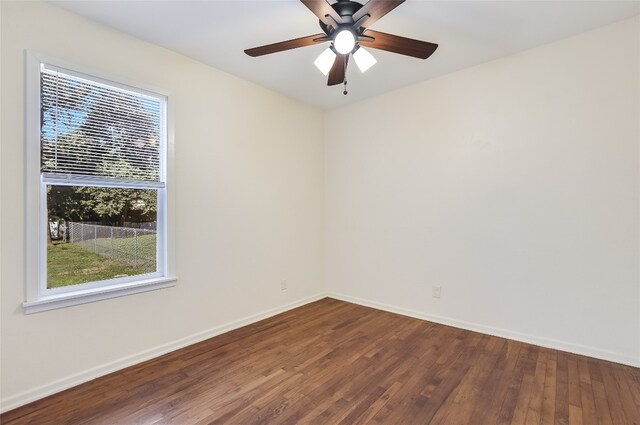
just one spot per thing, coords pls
(283, 285)
(436, 291)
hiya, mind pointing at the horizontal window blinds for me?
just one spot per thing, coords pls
(91, 129)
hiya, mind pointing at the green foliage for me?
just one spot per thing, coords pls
(109, 206)
(66, 203)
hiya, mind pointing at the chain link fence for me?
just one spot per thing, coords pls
(134, 247)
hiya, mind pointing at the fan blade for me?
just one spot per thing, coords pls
(338, 70)
(376, 9)
(321, 9)
(396, 44)
(286, 45)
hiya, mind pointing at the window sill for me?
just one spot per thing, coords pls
(87, 296)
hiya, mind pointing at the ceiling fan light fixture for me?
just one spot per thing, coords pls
(345, 25)
(324, 62)
(364, 59)
(344, 42)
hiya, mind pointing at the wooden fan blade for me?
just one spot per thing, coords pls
(338, 70)
(376, 9)
(286, 45)
(396, 44)
(321, 9)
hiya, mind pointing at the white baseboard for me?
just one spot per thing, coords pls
(503, 333)
(54, 387)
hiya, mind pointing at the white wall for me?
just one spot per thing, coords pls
(514, 185)
(248, 208)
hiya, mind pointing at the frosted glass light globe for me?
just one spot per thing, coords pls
(325, 61)
(364, 59)
(344, 42)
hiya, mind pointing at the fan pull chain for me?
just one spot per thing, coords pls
(346, 61)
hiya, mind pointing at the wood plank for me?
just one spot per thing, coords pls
(587, 401)
(534, 410)
(549, 392)
(602, 404)
(575, 398)
(575, 415)
(509, 399)
(627, 388)
(501, 407)
(562, 390)
(612, 393)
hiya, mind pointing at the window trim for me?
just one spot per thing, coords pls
(37, 296)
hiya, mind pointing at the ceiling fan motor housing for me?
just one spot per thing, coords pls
(346, 9)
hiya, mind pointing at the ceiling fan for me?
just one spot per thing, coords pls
(345, 24)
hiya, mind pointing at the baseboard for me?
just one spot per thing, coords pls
(79, 378)
(503, 333)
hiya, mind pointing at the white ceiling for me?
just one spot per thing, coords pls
(468, 32)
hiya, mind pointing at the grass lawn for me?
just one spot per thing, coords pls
(69, 264)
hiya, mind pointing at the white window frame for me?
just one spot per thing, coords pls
(38, 296)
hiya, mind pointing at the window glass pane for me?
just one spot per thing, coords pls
(88, 128)
(98, 233)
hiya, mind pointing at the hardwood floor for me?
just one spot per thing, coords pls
(332, 362)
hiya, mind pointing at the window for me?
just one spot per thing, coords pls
(96, 158)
